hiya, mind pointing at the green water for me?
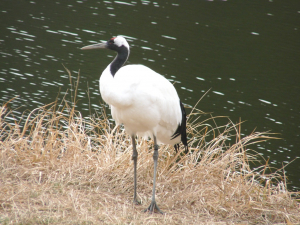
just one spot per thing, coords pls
(246, 53)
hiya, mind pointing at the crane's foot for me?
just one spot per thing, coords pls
(136, 202)
(153, 208)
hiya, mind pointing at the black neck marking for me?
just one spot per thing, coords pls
(119, 60)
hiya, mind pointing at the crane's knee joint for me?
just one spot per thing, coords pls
(134, 156)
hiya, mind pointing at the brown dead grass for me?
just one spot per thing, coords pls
(59, 168)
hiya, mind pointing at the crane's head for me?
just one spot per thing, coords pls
(116, 43)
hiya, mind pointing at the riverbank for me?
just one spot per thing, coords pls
(60, 168)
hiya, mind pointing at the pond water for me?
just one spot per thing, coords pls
(246, 53)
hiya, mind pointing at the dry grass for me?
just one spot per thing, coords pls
(59, 168)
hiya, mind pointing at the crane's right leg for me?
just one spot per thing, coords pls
(153, 206)
(134, 158)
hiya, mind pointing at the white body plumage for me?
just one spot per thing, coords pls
(143, 100)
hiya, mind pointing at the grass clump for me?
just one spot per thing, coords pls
(57, 167)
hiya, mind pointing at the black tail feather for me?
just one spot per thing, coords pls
(181, 130)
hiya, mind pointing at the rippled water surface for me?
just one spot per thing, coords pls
(246, 53)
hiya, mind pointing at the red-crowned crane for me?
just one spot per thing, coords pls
(144, 101)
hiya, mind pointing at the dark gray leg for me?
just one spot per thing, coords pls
(153, 206)
(134, 158)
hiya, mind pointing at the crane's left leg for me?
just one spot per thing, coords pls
(153, 206)
(134, 158)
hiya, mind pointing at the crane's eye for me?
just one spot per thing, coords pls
(112, 40)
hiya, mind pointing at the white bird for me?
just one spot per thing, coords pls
(145, 102)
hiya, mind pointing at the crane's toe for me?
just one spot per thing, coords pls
(153, 208)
